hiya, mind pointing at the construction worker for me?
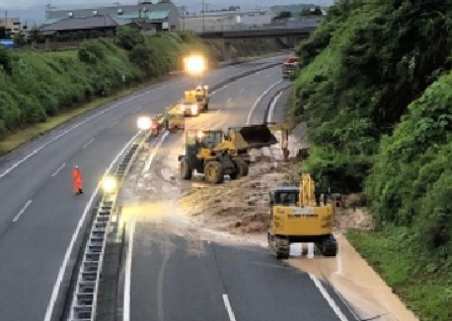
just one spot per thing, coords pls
(77, 181)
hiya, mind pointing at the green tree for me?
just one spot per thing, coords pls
(128, 37)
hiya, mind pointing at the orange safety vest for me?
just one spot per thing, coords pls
(77, 181)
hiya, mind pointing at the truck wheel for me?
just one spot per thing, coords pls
(185, 171)
(214, 172)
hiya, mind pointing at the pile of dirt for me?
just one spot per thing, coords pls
(354, 214)
(241, 206)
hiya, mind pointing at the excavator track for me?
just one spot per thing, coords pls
(280, 246)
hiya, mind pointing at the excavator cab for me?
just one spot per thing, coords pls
(297, 216)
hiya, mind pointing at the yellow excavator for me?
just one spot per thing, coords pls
(298, 214)
(216, 154)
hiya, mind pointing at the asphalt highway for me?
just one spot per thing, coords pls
(177, 272)
(41, 220)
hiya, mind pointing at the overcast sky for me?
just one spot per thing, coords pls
(9, 4)
(32, 12)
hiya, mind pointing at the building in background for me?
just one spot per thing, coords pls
(11, 25)
(226, 20)
(161, 16)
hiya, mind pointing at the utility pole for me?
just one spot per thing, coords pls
(203, 15)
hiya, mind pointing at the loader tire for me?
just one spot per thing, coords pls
(185, 171)
(328, 247)
(242, 169)
(214, 172)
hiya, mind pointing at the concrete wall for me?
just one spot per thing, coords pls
(226, 21)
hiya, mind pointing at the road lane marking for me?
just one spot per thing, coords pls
(68, 130)
(58, 170)
(227, 304)
(271, 110)
(22, 211)
(147, 165)
(56, 288)
(328, 298)
(258, 100)
(88, 143)
(128, 272)
(128, 269)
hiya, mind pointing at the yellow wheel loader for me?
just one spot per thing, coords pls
(216, 154)
(298, 215)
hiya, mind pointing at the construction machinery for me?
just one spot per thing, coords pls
(195, 101)
(216, 154)
(299, 215)
(202, 97)
(289, 67)
(174, 120)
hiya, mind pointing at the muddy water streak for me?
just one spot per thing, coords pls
(358, 283)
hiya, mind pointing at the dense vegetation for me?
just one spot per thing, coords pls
(375, 91)
(35, 85)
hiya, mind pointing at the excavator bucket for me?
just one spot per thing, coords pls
(254, 136)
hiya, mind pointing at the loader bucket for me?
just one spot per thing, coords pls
(254, 136)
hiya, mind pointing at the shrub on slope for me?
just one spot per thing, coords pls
(411, 181)
(361, 68)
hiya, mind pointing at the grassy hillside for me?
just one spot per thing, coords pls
(36, 85)
(375, 91)
(362, 67)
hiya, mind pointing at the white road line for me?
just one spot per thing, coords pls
(148, 163)
(67, 256)
(66, 131)
(258, 100)
(88, 143)
(22, 211)
(271, 110)
(128, 273)
(227, 304)
(328, 298)
(129, 255)
(58, 170)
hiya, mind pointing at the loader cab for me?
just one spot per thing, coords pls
(203, 138)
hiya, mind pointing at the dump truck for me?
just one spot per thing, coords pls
(289, 67)
(298, 214)
(216, 154)
(195, 101)
(174, 120)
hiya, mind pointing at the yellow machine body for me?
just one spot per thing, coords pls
(297, 216)
(301, 221)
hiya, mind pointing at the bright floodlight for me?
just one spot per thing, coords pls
(144, 123)
(109, 184)
(195, 65)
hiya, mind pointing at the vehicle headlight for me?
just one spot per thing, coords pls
(109, 184)
(144, 123)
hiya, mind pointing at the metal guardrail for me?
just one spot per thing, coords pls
(85, 293)
(83, 305)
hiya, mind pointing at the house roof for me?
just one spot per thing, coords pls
(112, 10)
(92, 22)
(159, 14)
